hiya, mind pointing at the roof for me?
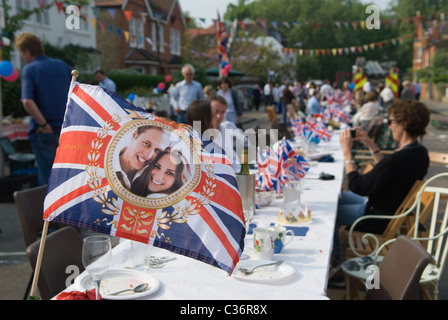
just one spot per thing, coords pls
(161, 7)
(193, 32)
(109, 3)
(136, 54)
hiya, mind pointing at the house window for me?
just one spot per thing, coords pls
(154, 36)
(153, 71)
(132, 33)
(43, 18)
(162, 38)
(84, 18)
(140, 38)
(23, 5)
(175, 41)
(426, 58)
(419, 54)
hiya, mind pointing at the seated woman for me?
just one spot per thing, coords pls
(381, 190)
(368, 111)
(162, 176)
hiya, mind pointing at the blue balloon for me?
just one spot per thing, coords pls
(6, 68)
(351, 86)
(223, 64)
(131, 97)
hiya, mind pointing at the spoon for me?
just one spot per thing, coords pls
(140, 288)
(248, 271)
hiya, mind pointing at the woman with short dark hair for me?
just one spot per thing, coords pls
(199, 110)
(382, 190)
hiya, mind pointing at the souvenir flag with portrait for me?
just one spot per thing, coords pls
(125, 172)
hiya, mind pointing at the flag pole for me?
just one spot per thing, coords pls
(75, 74)
(39, 258)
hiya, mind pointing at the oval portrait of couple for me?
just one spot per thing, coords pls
(151, 164)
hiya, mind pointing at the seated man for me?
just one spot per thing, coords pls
(229, 132)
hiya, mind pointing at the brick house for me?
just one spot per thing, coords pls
(429, 36)
(146, 35)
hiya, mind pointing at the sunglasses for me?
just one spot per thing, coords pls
(390, 121)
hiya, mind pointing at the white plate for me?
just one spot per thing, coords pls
(116, 280)
(263, 274)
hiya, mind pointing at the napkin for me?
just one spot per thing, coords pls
(77, 295)
(251, 228)
(298, 231)
(326, 159)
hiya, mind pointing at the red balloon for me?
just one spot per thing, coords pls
(168, 78)
(224, 72)
(12, 77)
(161, 86)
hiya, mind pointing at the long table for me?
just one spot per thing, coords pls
(16, 131)
(309, 255)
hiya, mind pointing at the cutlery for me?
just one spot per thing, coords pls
(248, 271)
(140, 288)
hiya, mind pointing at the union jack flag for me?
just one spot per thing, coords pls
(223, 39)
(323, 134)
(262, 162)
(297, 127)
(269, 169)
(296, 168)
(203, 219)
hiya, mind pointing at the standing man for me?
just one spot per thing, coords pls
(185, 92)
(313, 104)
(407, 93)
(45, 86)
(267, 91)
(104, 81)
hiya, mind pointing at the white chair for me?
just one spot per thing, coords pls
(436, 226)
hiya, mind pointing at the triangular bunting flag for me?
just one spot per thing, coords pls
(128, 14)
(59, 5)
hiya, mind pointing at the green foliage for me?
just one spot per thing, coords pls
(440, 59)
(126, 81)
(437, 72)
(329, 36)
(11, 98)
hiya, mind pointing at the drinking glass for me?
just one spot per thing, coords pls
(248, 210)
(96, 258)
(141, 255)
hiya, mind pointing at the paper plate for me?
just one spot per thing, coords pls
(116, 280)
(263, 274)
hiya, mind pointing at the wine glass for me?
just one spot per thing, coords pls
(96, 258)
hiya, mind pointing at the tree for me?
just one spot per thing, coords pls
(317, 30)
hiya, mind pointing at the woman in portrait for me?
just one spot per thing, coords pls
(165, 175)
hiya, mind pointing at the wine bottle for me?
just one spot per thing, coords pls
(330, 125)
(244, 163)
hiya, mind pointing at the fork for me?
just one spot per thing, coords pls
(248, 271)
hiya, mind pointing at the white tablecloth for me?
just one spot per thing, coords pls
(189, 279)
